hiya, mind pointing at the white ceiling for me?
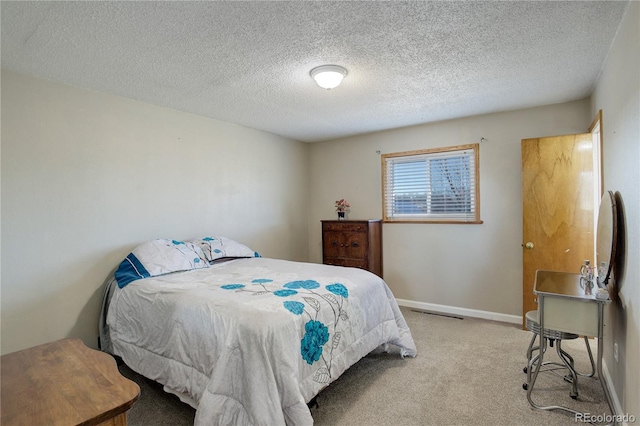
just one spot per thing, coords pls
(248, 62)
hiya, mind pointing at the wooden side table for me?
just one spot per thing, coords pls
(64, 383)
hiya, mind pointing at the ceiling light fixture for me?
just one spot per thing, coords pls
(328, 76)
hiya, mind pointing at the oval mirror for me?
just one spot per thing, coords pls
(606, 237)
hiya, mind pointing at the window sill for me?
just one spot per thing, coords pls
(447, 222)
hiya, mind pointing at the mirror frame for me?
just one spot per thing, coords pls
(608, 202)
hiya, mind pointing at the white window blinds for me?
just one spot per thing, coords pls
(438, 185)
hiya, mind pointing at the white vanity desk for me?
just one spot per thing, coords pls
(567, 303)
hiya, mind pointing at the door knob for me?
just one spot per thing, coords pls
(528, 245)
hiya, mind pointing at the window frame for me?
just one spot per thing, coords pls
(423, 218)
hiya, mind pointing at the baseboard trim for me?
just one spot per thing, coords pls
(465, 312)
(608, 382)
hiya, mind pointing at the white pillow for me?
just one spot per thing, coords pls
(219, 247)
(159, 257)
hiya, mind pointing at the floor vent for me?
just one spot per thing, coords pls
(437, 314)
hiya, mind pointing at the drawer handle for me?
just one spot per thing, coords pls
(334, 243)
(355, 244)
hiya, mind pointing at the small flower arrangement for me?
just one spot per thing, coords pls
(342, 205)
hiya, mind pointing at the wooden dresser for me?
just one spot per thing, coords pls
(355, 243)
(64, 383)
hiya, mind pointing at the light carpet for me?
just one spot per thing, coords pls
(467, 372)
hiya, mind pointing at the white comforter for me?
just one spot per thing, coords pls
(251, 341)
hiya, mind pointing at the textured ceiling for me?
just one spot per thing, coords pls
(248, 62)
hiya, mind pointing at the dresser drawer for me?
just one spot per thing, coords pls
(345, 244)
(345, 226)
(353, 263)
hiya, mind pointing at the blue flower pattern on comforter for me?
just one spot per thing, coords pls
(316, 333)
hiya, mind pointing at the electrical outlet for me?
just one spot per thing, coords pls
(615, 351)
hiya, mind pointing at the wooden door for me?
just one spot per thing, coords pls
(557, 207)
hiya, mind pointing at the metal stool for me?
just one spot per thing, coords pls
(567, 360)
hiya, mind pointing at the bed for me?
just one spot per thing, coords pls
(244, 339)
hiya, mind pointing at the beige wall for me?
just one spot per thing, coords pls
(87, 176)
(617, 94)
(475, 267)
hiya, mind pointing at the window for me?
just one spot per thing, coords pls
(432, 185)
